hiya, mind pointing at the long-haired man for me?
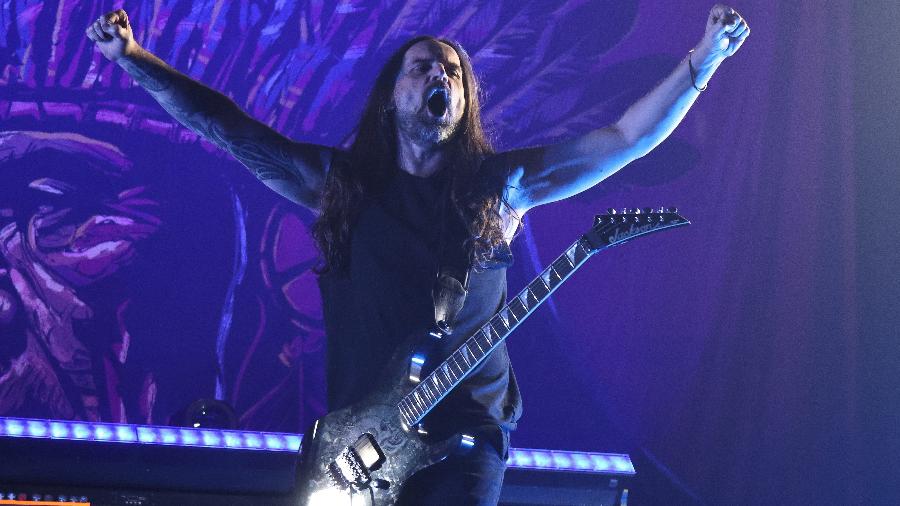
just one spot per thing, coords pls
(414, 220)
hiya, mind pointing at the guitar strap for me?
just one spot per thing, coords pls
(450, 288)
(448, 295)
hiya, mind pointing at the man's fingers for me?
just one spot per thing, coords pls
(109, 31)
(113, 18)
(733, 28)
(118, 19)
(732, 19)
(98, 31)
(720, 12)
(123, 18)
(730, 24)
(108, 26)
(740, 40)
(725, 20)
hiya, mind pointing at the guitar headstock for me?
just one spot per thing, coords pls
(621, 225)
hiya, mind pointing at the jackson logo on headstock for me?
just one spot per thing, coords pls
(632, 231)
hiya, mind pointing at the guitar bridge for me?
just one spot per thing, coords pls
(352, 467)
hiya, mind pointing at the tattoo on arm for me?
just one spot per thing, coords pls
(267, 156)
(149, 72)
(215, 117)
(264, 163)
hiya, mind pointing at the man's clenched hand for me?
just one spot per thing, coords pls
(726, 31)
(113, 35)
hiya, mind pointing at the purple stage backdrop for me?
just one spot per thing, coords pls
(143, 269)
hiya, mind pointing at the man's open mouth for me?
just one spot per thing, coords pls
(437, 101)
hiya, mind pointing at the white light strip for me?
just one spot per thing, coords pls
(148, 434)
(558, 460)
(519, 458)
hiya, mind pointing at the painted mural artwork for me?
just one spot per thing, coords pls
(94, 261)
(143, 269)
(62, 234)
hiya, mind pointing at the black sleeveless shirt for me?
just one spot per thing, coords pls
(384, 296)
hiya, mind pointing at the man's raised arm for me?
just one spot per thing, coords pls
(549, 173)
(294, 170)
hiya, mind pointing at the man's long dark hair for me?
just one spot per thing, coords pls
(372, 159)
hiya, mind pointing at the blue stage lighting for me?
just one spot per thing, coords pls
(102, 433)
(59, 430)
(37, 428)
(145, 434)
(523, 458)
(233, 440)
(80, 431)
(13, 428)
(252, 441)
(126, 433)
(167, 436)
(211, 438)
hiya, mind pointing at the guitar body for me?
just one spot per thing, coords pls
(401, 451)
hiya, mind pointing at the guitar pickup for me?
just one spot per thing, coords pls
(368, 451)
(353, 465)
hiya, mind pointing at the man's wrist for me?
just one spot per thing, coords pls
(702, 67)
(706, 58)
(131, 53)
(147, 70)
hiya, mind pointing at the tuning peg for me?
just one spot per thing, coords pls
(637, 210)
(672, 210)
(610, 211)
(625, 210)
(648, 210)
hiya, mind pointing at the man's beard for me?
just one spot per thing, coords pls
(422, 128)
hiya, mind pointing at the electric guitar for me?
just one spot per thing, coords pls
(362, 454)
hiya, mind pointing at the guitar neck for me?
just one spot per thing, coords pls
(429, 392)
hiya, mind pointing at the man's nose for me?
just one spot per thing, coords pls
(439, 73)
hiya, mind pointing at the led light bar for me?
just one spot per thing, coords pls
(557, 460)
(37, 501)
(521, 458)
(148, 434)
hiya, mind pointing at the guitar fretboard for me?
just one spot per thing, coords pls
(426, 395)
